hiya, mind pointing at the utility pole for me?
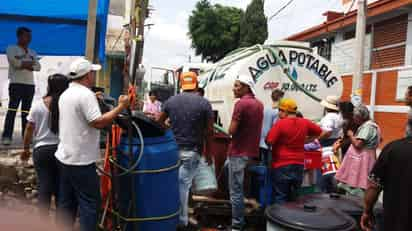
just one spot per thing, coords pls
(91, 30)
(359, 51)
(139, 41)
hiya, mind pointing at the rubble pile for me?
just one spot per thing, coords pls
(18, 181)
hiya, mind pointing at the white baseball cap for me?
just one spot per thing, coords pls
(248, 80)
(80, 67)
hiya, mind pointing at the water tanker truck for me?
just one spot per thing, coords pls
(293, 67)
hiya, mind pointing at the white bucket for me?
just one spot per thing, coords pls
(205, 180)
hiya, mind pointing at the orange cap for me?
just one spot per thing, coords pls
(288, 105)
(188, 81)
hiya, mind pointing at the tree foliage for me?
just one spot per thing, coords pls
(214, 30)
(253, 25)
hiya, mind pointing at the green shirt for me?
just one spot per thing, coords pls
(369, 133)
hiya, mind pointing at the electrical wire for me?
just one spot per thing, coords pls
(280, 10)
(350, 8)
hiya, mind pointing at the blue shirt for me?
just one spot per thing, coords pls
(270, 116)
(189, 114)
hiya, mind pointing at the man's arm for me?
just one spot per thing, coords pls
(234, 123)
(11, 58)
(208, 140)
(376, 183)
(108, 117)
(28, 136)
(371, 196)
(325, 134)
(314, 130)
(36, 64)
(273, 135)
(162, 119)
(326, 125)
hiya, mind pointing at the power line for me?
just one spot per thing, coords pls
(350, 8)
(280, 10)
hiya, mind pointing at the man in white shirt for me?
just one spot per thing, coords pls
(22, 62)
(331, 125)
(78, 150)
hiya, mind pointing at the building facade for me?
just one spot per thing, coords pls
(388, 57)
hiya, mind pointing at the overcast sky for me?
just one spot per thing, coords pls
(167, 43)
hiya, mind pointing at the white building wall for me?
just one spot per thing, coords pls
(343, 54)
(408, 52)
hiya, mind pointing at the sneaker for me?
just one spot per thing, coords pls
(6, 141)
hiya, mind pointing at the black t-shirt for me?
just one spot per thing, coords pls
(393, 173)
(189, 114)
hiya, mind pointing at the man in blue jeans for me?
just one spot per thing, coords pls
(22, 62)
(192, 123)
(287, 139)
(245, 128)
(78, 150)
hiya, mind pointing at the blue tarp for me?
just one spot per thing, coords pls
(58, 26)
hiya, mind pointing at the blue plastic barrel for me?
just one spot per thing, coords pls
(156, 187)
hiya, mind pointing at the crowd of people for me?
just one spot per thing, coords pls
(278, 136)
(64, 128)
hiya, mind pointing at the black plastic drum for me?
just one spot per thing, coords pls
(306, 217)
(351, 205)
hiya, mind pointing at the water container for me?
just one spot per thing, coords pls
(205, 179)
(155, 182)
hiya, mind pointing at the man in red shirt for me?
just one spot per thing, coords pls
(287, 138)
(245, 128)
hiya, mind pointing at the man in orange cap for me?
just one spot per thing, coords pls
(287, 139)
(192, 123)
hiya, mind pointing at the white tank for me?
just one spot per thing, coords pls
(310, 77)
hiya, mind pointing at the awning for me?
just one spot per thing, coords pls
(58, 27)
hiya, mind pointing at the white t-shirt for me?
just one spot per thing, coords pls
(332, 122)
(79, 142)
(39, 115)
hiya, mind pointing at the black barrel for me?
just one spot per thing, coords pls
(306, 217)
(351, 205)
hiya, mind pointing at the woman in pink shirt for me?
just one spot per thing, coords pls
(152, 107)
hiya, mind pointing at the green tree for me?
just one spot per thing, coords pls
(253, 25)
(214, 30)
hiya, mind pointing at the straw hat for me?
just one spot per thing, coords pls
(331, 102)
